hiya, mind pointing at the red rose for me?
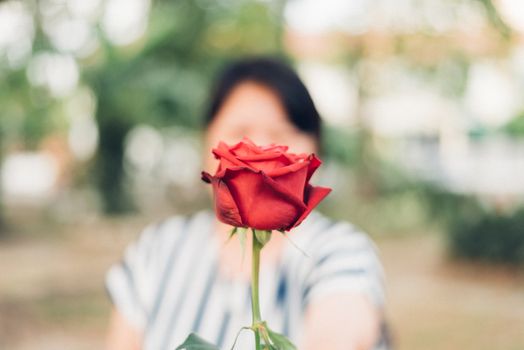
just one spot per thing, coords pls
(265, 188)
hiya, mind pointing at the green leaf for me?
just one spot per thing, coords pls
(232, 233)
(194, 342)
(279, 341)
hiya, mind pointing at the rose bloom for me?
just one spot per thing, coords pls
(265, 188)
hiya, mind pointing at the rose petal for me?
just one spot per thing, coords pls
(264, 187)
(314, 163)
(260, 156)
(268, 166)
(292, 177)
(263, 203)
(246, 152)
(287, 169)
(206, 177)
(226, 158)
(223, 147)
(245, 147)
(273, 148)
(225, 206)
(314, 195)
(293, 158)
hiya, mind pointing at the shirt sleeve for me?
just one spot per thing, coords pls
(130, 282)
(346, 260)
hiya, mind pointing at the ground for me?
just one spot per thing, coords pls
(52, 296)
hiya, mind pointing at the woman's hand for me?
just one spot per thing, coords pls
(343, 321)
(121, 334)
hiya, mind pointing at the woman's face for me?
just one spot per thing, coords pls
(255, 111)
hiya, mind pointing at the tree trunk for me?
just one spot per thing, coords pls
(110, 175)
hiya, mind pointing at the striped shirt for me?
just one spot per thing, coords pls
(168, 284)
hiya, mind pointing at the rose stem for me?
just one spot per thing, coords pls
(255, 307)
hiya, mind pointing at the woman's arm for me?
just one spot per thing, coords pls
(121, 334)
(342, 321)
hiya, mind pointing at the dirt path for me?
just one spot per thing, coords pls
(437, 304)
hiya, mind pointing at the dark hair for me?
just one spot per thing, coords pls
(277, 76)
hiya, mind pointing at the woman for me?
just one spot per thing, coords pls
(181, 276)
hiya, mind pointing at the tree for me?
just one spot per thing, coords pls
(160, 79)
(163, 80)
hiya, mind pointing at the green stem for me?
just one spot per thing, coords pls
(255, 306)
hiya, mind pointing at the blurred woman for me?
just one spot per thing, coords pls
(180, 276)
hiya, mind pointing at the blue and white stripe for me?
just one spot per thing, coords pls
(168, 284)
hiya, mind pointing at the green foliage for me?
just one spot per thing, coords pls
(27, 112)
(160, 80)
(491, 237)
(279, 341)
(449, 209)
(274, 340)
(475, 231)
(164, 80)
(495, 18)
(341, 145)
(515, 127)
(194, 342)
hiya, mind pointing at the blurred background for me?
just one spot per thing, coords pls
(100, 112)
